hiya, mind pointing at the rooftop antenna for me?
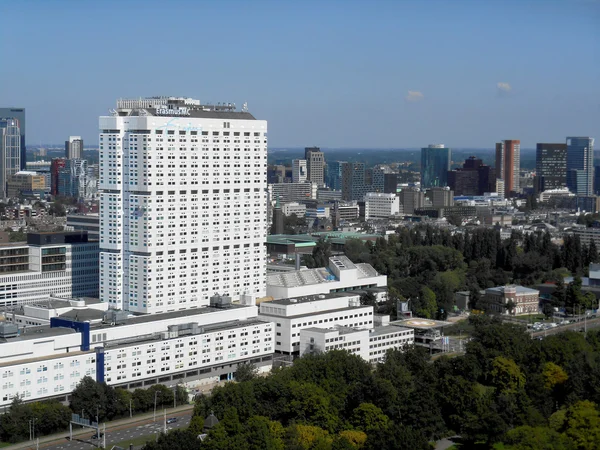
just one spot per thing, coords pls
(245, 107)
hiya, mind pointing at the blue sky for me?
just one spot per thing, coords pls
(365, 74)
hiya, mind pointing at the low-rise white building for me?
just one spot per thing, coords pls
(62, 264)
(41, 313)
(342, 275)
(379, 205)
(189, 346)
(326, 310)
(296, 208)
(371, 345)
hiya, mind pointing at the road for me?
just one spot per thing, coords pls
(117, 434)
(589, 324)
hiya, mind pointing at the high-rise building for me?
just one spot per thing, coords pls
(26, 183)
(315, 165)
(299, 171)
(72, 179)
(550, 166)
(181, 217)
(441, 197)
(390, 183)
(435, 164)
(334, 175)
(19, 114)
(55, 167)
(508, 164)
(474, 178)
(580, 165)
(10, 151)
(74, 148)
(353, 181)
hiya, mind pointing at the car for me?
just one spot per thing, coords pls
(172, 420)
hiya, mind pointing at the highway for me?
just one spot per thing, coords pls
(577, 326)
(121, 433)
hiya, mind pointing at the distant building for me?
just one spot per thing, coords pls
(390, 183)
(523, 300)
(26, 183)
(292, 192)
(411, 199)
(325, 195)
(299, 174)
(580, 165)
(19, 114)
(72, 179)
(353, 181)
(74, 148)
(296, 208)
(334, 175)
(440, 197)
(550, 166)
(55, 167)
(474, 178)
(315, 164)
(435, 164)
(85, 222)
(277, 219)
(381, 206)
(10, 151)
(508, 164)
(345, 211)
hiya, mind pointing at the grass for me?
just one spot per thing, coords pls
(5, 444)
(137, 441)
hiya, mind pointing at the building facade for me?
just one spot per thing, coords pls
(10, 151)
(73, 179)
(474, 178)
(512, 300)
(183, 204)
(435, 164)
(292, 192)
(299, 174)
(62, 264)
(315, 165)
(353, 181)
(74, 148)
(19, 114)
(26, 183)
(55, 167)
(550, 166)
(411, 199)
(381, 206)
(580, 165)
(508, 164)
(334, 175)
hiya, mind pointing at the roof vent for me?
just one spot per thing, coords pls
(293, 300)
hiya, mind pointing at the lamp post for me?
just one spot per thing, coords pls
(155, 395)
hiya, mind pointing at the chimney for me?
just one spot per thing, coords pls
(297, 261)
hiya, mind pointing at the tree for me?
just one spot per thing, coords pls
(321, 253)
(506, 375)
(245, 372)
(426, 305)
(89, 398)
(369, 299)
(553, 375)
(368, 417)
(179, 439)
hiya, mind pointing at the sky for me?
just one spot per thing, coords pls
(330, 73)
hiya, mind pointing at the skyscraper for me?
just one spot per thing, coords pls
(334, 175)
(299, 171)
(580, 165)
(74, 147)
(474, 178)
(508, 164)
(435, 164)
(550, 166)
(19, 114)
(10, 151)
(183, 204)
(315, 165)
(353, 181)
(72, 179)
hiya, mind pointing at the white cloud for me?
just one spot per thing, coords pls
(414, 96)
(503, 87)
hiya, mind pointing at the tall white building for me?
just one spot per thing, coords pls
(299, 171)
(74, 147)
(183, 204)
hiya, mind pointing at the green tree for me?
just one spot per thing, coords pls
(506, 375)
(368, 417)
(321, 253)
(534, 438)
(175, 439)
(89, 398)
(553, 375)
(426, 305)
(246, 372)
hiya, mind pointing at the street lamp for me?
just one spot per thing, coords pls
(155, 395)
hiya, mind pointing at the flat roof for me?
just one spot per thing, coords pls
(168, 315)
(312, 314)
(388, 329)
(309, 298)
(420, 323)
(38, 332)
(45, 358)
(519, 289)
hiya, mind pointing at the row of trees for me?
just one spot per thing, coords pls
(92, 400)
(506, 388)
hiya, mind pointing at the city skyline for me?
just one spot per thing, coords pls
(444, 86)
